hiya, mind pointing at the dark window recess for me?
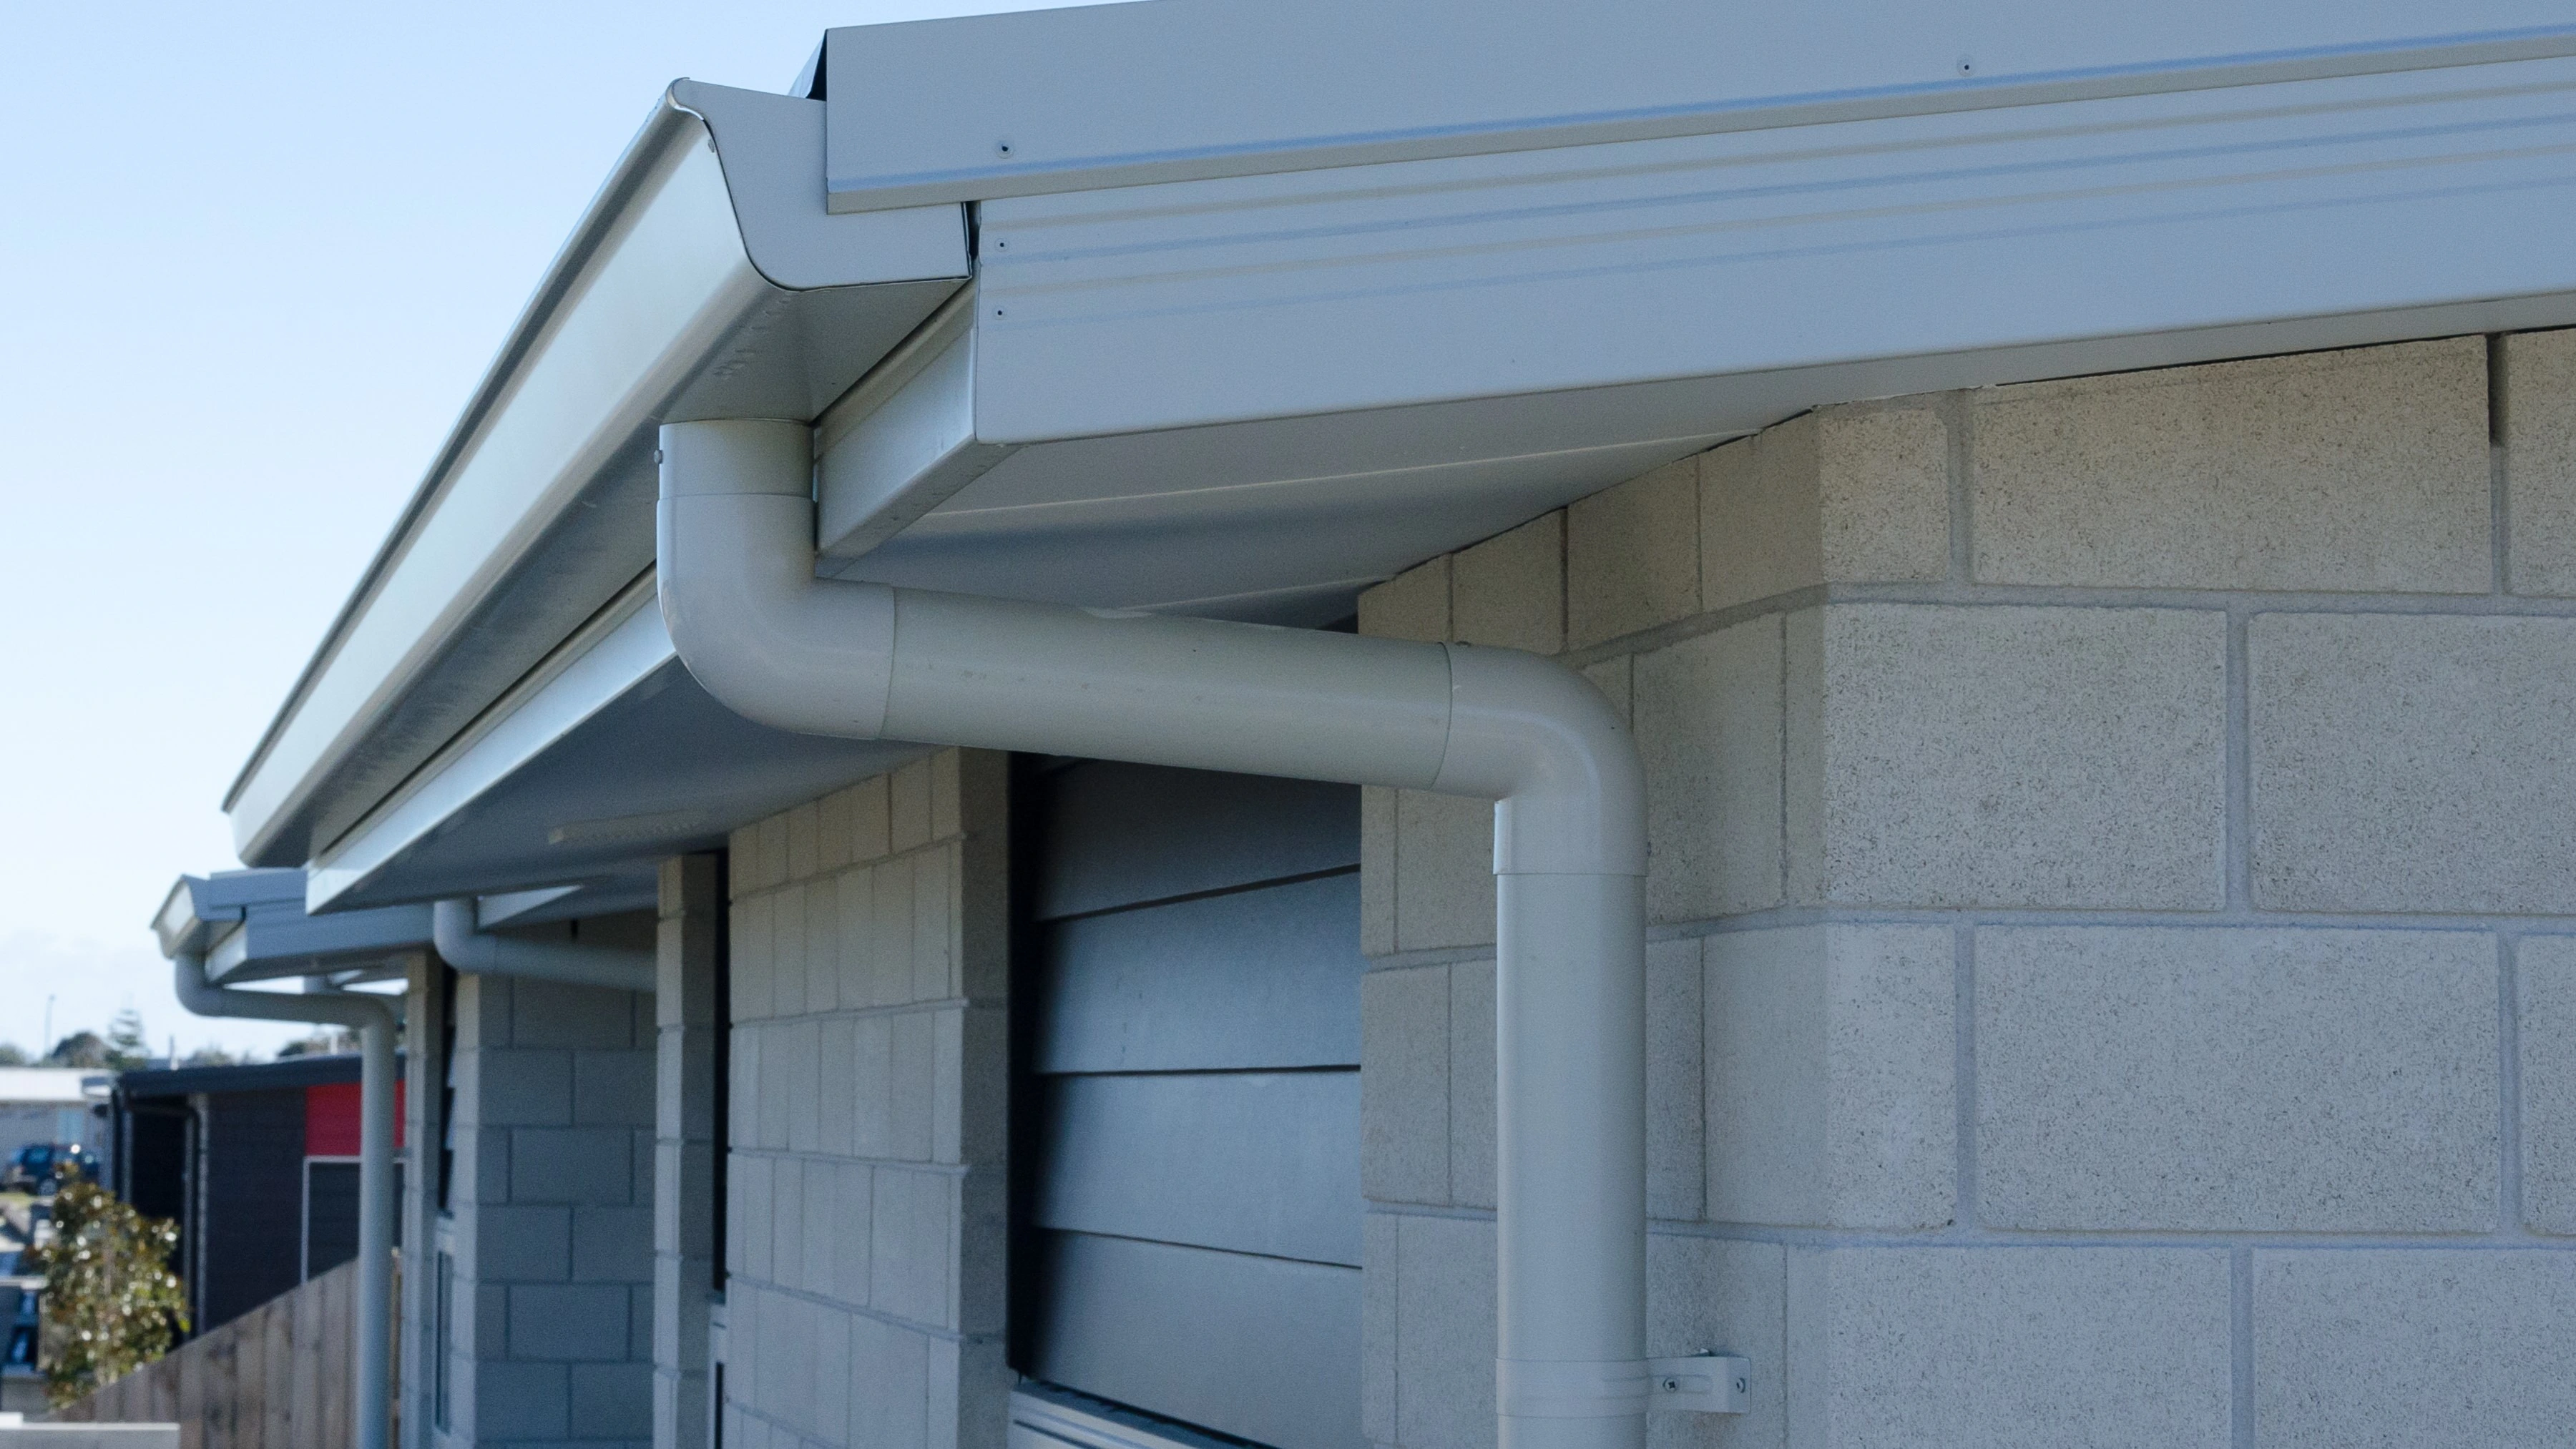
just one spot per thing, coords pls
(331, 1213)
(446, 1082)
(1186, 1107)
(723, 1070)
(442, 1340)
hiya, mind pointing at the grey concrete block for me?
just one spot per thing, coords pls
(612, 1244)
(1831, 1076)
(568, 1321)
(1412, 605)
(908, 805)
(788, 974)
(520, 1244)
(1444, 1367)
(683, 1068)
(752, 1206)
(2007, 756)
(1404, 1085)
(2540, 461)
(915, 1081)
(1444, 871)
(871, 820)
(1381, 1236)
(827, 1402)
(934, 924)
(889, 1386)
(516, 1088)
(1377, 870)
(804, 844)
(822, 1226)
(519, 1401)
(2363, 470)
(854, 981)
(2009, 1348)
(834, 1103)
(1632, 555)
(1614, 677)
(890, 931)
(1704, 1293)
(751, 956)
(1708, 721)
(612, 1088)
(2413, 764)
(824, 950)
(774, 1084)
(832, 832)
(683, 1197)
(550, 1014)
(853, 1206)
(800, 1076)
(2545, 1029)
(913, 1247)
(612, 1400)
(678, 1315)
(1471, 1084)
(1844, 494)
(979, 1251)
(869, 1078)
(2419, 1348)
(2253, 1080)
(787, 1222)
(571, 1165)
(1676, 1136)
(1510, 589)
(974, 1074)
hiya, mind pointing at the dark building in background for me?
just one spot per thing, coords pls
(259, 1164)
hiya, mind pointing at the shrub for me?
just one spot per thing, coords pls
(112, 1303)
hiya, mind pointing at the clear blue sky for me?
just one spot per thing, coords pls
(252, 259)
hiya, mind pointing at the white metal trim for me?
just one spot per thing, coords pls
(589, 673)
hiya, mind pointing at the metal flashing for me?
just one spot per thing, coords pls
(990, 106)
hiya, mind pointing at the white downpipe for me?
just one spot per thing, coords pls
(866, 661)
(373, 1017)
(462, 945)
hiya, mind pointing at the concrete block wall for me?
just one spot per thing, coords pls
(2113, 887)
(865, 1184)
(550, 1221)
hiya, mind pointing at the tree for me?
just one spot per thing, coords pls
(80, 1049)
(213, 1056)
(14, 1055)
(126, 1048)
(112, 1303)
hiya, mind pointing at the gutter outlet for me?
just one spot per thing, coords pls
(375, 1022)
(867, 661)
(463, 945)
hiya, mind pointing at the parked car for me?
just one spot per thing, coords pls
(41, 1167)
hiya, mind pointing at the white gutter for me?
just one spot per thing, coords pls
(463, 945)
(736, 567)
(374, 1019)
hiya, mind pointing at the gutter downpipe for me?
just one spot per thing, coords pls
(372, 1406)
(462, 945)
(735, 557)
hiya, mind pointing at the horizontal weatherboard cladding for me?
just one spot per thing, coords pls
(1189, 1112)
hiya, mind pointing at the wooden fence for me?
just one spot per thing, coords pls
(278, 1377)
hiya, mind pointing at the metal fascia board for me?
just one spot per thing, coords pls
(990, 106)
(912, 446)
(592, 670)
(2112, 225)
